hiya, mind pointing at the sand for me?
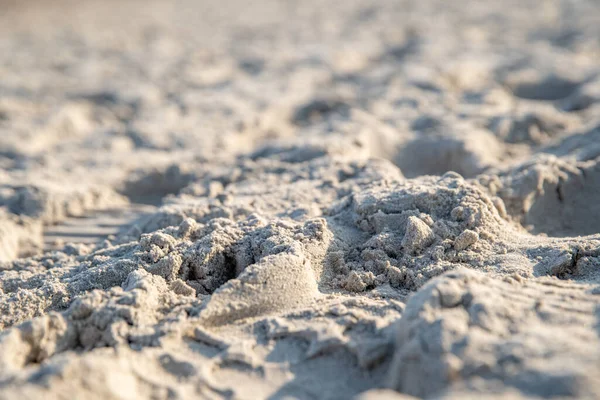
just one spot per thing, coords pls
(311, 200)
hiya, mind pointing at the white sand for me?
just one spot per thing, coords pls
(299, 199)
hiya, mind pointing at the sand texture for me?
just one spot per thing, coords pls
(353, 199)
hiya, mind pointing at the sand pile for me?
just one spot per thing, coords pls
(299, 200)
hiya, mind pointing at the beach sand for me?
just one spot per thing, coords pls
(299, 199)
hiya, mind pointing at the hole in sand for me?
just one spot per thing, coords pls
(319, 110)
(571, 208)
(549, 88)
(435, 154)
(150, 187)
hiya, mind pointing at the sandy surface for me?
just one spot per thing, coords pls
(299, 199)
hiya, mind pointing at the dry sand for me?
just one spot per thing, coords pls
(300, 199)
